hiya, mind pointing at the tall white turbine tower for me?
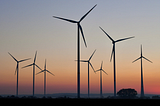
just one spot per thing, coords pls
(33, 64)
(17, 69)
(78, 45)
(89, 63)
(45, 70)
(101, 78)
(113, 54)
(141, 56)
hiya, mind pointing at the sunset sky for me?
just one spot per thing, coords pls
(27, 26)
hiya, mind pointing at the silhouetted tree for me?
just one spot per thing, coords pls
(127, 92)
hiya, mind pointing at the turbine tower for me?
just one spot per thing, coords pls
(17, 69)
(101, 78)
(45, 77)
(113, 54)
(89, 63)
(33, 64)
(141, 56)
(78, 45)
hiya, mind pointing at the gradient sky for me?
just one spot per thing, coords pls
(27, 26)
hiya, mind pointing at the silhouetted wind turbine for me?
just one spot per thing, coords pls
(89, 63)
(113, 54)
(17, 68)
(101, 78)
(78, 45)
(33, 64)
(142, 89)
(45, 77)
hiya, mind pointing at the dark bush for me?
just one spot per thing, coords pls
(127, 92)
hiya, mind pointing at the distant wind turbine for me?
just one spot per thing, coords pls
(78, 45)
(33, 64)
(17, 69)
(113, 54)
(89, 63)
(101, 78)
(45, 77)
(142, 88)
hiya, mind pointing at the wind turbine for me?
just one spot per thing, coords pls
(78, 45)
(33, 64)
(45, 76)
(142, 89)
(101, 78)
(17, 69)
(113, 54)
(89, 63)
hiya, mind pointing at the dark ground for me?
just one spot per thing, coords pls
(65, 97)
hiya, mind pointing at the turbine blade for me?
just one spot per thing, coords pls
(13, 57)
(82, 34)
(16, 69)
(92, 55)
(91, 66)
(66, 19)
(87, 13)
(147, 59)
(24, 60)
(27, 66)
(45, 64)
(82, 60)
(35, 57)
(141, 50)
(40, 72)
(136, 59)
(112, 52)
(124, 39)
(101, 64)
(107, 34)
(50, 72)
(98, 70)
(38, 66)
(104, 71)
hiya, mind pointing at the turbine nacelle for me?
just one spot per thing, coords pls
(34, 64)
(101, 69)
(17, 61)
(78, 22)
(45, 69)
(88, 61)
(113, 42)
(141, 56)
